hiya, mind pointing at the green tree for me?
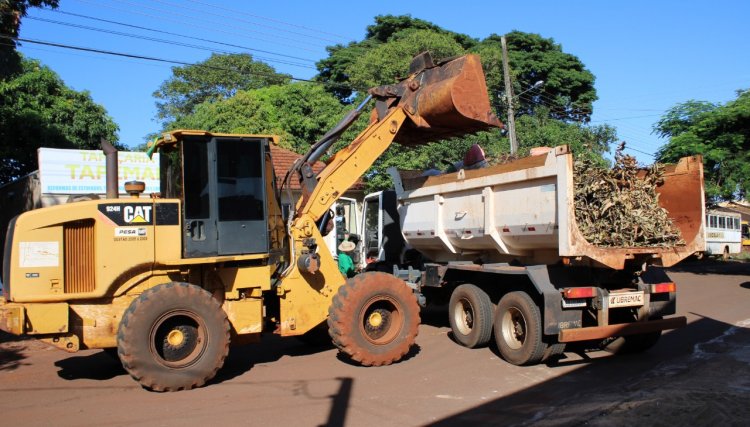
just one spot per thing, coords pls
(536, 130)
(568, 91)
(721, 133)
(336, 68)
(11, 12)
(539, 130)
(38, 110)
(386, 62)
(218, 77)
(555, 110)
(298, 112)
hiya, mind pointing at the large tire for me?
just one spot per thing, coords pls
(374, 319)
(173, 337)
(470, 316)
(553, 352)
(518, 329)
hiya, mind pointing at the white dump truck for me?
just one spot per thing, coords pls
(501, 245)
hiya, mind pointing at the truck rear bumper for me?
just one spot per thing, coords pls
(601, 332)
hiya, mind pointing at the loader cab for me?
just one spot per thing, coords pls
(222, 183)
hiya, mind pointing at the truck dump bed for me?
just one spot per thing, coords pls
(524, 210)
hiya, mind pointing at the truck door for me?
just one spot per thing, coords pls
(346, 221)
(381, 229)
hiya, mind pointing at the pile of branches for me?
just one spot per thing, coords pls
(619, 207)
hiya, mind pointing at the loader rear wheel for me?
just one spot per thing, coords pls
(374, 319)
(518, 329)
(470, 316)
(173, 337)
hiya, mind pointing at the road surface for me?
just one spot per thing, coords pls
(698, 376)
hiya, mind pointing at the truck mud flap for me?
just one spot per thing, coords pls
(601, 332)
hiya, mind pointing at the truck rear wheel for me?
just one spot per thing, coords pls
(374, 319)
(173, 337)
(631, 344)
(518, 329)
(470, 316)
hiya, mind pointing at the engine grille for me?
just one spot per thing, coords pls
(78, 237)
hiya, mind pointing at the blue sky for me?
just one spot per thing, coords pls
(647, 56)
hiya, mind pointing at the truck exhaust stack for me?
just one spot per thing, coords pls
(110, 153)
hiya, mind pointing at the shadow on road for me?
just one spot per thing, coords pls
(242, 358)
(11, 351)
(665, 386)
(97, 366)
(10, 358)
(711, 266)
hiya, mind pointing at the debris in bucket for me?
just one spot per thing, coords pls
(620, 206)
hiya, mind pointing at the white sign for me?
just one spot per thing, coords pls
(84, 171)
(626, 299)
(39, 254)
(130, 231)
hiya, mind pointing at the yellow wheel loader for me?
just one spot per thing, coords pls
(171, 279)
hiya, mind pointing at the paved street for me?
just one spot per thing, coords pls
(699, 375)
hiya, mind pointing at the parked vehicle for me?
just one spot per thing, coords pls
(723, 234)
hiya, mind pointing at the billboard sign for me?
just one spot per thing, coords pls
(84, 171)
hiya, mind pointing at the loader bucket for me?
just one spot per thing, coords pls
(442, 101)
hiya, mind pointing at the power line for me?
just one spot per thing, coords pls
(544, 101)
(169, 42)
(222, 23)
(269, 19)
(168, 17)
(138, 27)
(639, 151)
(205, 12)
(163, 60)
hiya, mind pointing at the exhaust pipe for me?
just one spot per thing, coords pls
(110, 153)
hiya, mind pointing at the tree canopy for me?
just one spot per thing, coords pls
(299, 112)
(568, 91)
(39, 110)
(218, 77)
(721, 133)
(550, 115)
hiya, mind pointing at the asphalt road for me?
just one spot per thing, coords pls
(698, 376)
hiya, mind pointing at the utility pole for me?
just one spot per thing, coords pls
(509, 97)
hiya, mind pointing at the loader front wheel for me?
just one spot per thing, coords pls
(374, 319)
(173, 337)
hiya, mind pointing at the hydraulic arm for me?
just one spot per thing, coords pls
(434, 102)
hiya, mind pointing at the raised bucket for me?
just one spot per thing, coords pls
(444, 100)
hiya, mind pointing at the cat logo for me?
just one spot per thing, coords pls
(138, 214)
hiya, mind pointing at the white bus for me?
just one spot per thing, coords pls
(723, 233)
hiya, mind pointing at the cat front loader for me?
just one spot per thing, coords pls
(167, 282)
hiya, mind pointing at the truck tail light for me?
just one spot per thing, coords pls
(661, 288)
(571, 293)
